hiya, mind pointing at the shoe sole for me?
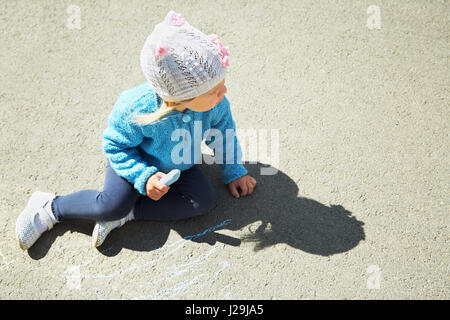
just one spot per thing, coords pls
(95, 243)
(20, 244)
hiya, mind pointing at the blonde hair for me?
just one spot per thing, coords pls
(148, 118)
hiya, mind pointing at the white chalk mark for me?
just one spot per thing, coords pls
(185, 267)
(178, 245)
(4, 262)
(179, 270)
(227, 294)
(175, 271)
(182, 287)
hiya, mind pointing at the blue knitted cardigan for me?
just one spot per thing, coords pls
(135, 151)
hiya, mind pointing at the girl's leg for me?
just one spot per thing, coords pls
(113, 203)
(191, 195)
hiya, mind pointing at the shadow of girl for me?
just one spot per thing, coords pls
(275, 214)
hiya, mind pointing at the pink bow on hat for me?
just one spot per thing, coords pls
(177, 19)
(223, 51)
(160, 50)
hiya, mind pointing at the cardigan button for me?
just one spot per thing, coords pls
(186, 118)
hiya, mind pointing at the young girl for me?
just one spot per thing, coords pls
(185, 73)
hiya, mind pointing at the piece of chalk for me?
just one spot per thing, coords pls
(171, 177)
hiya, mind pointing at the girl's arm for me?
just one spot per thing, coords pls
(223, 120)
(120, 140)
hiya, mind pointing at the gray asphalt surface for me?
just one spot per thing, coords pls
(358, 207)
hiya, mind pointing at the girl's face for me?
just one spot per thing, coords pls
(207, 100)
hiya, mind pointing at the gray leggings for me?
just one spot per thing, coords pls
(191, 195)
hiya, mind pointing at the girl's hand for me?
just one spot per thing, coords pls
(154, 188)
(245, 183)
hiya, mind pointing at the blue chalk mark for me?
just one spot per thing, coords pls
(220, 225)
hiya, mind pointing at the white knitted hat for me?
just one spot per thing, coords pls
(180, 62)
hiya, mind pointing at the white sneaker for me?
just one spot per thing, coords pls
(103, 228)
(35, 219)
